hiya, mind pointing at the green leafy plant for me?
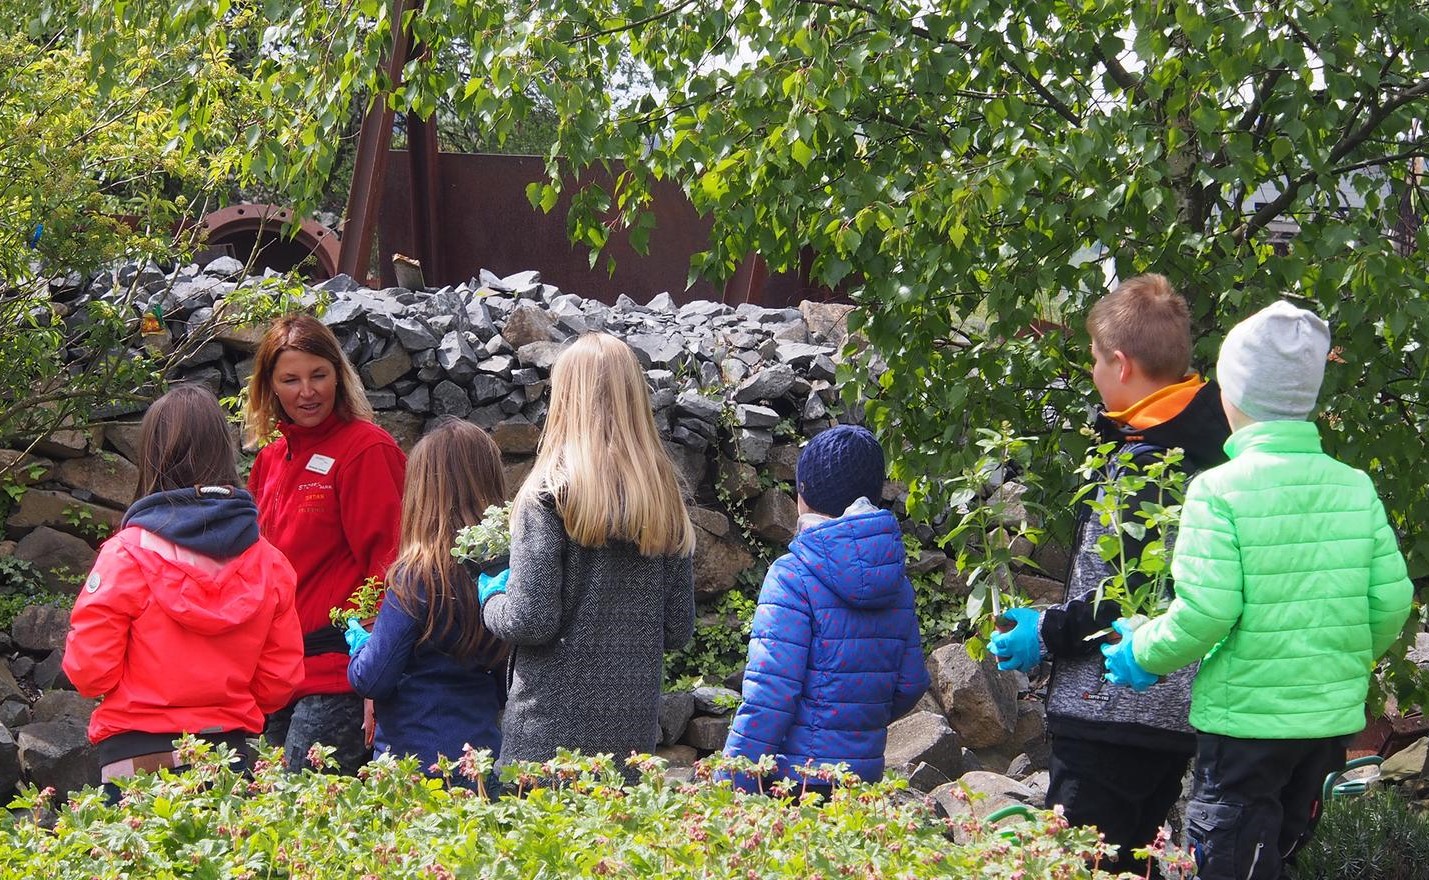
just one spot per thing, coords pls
(1141, 503)
(488, 539)
(941, 614)
(362, 604)
(990, 527)
(393, 822)
(720, 641)
(1377, 836)
(22, 584)
(727, 702)
(15, 485)
(82, 519)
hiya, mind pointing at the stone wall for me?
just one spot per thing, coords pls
(734, 389)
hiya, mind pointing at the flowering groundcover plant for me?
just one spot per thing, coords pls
(564, 818)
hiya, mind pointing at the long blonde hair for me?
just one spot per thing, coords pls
(600, 455)
(453, 474)
(304, 333)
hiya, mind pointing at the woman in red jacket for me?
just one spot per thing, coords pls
(186, 623)
(329, 494)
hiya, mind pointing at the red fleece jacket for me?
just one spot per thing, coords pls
(330, 498)
(175, 641)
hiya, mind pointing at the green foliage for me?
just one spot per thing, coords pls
(83, 521)
(720, 642)
(941, 614)
(19, 576)
(487, 539)
(1134, 501)
(21, 585)
(566, 818)
(362, 604)
(989, 523)
(1378, 836)
(110, 157)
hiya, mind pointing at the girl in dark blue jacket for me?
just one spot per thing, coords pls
(834, 655)
(432, 670)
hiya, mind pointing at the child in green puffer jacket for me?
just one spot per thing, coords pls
(1289, 586)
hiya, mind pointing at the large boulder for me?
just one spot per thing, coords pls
(516, 436)
(826, 321)
(58, 705)
(528, 323)
(979, 793)
(775, 516)
(111, 479)
(380, 372)
(124, 437)
(980, 702)
(405, 427)
(64, 559)
(69, 442)
(738, 480)
(707, 732)
(718, 562)
(62, 512)
(49, 672)
(40, 628)
(923, 738)
(57, 754)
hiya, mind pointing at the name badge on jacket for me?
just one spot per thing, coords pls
(321, 464)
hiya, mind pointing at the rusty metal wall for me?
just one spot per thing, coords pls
(484, 221)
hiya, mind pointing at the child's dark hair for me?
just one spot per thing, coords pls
(184, 441)
(453, 474)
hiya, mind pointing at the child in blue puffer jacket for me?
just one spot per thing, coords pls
(834, 655)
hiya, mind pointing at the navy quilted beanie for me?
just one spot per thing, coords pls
(838, 467)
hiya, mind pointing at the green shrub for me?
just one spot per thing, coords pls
(22, 585)
(720, 642)
(1374, 837)
(392, 823)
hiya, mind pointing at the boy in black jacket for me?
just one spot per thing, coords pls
(1118, 757)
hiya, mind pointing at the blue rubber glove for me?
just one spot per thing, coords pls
(1018, 649)
(488, 586)
(356, 636)
(1121, 666)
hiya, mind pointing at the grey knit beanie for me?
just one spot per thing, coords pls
(1273, 362)
(838, 467)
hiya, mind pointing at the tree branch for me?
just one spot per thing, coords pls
(1351, 140)
(1120, 75)
(1052, 100)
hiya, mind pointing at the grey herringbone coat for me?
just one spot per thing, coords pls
(589, 628)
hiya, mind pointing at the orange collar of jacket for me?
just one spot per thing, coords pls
(1160, 406)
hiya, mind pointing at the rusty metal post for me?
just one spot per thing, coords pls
(422, 159)
(370, 164)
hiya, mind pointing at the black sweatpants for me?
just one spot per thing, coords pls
(1256, 801)
(1125, 791)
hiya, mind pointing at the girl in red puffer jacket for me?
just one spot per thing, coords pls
(186, 624)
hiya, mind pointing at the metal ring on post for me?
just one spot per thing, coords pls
(246, 227)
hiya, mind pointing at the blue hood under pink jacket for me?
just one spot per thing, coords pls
(834, 655)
